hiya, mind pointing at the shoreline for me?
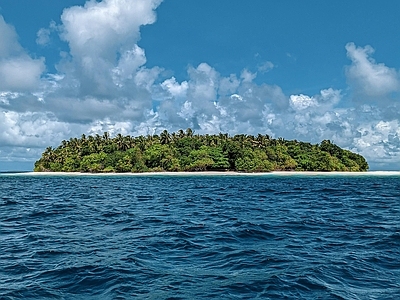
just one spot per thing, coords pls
(211, 173)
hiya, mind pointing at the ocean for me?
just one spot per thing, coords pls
(198, 237)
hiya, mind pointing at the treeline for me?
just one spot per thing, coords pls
(186, 151)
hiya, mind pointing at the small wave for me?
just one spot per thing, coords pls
(253, 233)
(8, 202)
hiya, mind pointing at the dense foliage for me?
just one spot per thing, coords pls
(185, 151)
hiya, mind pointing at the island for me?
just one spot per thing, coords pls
(186, 151)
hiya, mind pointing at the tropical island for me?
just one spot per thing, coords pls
(186, 151)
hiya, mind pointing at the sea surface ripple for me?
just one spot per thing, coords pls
(196, 237)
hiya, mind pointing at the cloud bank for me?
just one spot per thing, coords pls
(103, 84)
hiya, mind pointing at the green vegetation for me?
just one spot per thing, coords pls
(185, 151)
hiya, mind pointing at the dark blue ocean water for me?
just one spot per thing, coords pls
(196, 237)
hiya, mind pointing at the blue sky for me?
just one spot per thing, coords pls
(306, 70)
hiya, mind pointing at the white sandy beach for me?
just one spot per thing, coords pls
(213, 173)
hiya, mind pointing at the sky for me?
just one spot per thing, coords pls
(307, 70)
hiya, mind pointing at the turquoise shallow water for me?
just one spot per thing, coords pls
(196, 237)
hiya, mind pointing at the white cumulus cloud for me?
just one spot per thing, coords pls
(18, 71)
(368, 77)
(103, 37)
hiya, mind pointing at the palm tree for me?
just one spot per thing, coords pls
(121, 142)
(48, 154)
(281, 141)
(174, 137)
(141, 142)
(64, 144)
(98, 143)
(189, 132)
(223, 136)
(83, 139)
(130, 141)
(181, 133)
(91, 144)
(106, 136)
(165, 137)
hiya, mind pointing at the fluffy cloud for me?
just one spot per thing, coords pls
(368, 77)
(101, 28)
(247, 76)
(102, 37)
(175, 89)
(21, 73)
(9, 40)
(326, 100)
(301, 102)
(43, 34)
(103, 84)
(18, 71)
